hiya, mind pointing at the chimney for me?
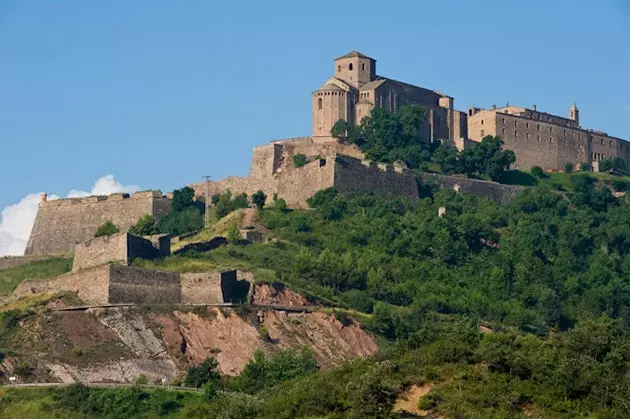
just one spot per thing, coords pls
(534, 107)
(494, 107)
(43, 197)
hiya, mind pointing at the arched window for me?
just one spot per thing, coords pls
(350, 66)
(338, 68)
(362, 66)
(319, 104)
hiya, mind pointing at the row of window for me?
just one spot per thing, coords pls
(365, 94)
(351, 67)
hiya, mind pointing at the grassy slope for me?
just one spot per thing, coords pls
(44, 269)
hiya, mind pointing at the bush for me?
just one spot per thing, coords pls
(186, 221)
(259, 199)
(568, 167)
(279, 203)
(299, 160)
(204, 373)
(106, 229)
(264, 334)
(233, 234)
(145, 226)
(142, 380)
(76, 352)
(537, 171)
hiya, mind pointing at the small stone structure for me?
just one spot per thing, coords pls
(62, 223)
(208, 287)
(120, 284)
(121, 248)
(251, 234)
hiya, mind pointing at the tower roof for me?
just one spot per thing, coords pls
(574, 107)
(354, 54)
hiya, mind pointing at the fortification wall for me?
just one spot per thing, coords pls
(100, 251)
(8, 262)
(501, 194)
(121, 248)
(129, 284)
(91, 285)
(61, 224)
(207, 287)
(298, 184)
(353, 175)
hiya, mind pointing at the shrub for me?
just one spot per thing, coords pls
(537, 171)
(342, 317)
(568, 167)
(77, 352)
(259, 199)
(233, 234)
(106, 229)
(264, 334)
(142, 380)
(299, 160)
(145, 226)
(204, 373)
(279, 203)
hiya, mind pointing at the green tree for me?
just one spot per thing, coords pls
(183, 198)
(106, 229)
(204, 373)
(145, 226)
(340, 130)
(258, 199)
(233, 234)
(186, 221)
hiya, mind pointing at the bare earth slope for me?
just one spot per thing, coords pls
(120, 344)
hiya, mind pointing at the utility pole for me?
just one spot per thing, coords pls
(207, 214)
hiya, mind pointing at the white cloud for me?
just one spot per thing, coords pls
(16, 221)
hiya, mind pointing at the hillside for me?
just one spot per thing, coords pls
(518, 310)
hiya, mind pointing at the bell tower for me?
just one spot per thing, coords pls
(355, 69)
(574, 113)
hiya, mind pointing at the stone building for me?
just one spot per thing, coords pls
(62, 223)
(355, 89)
(545, 140)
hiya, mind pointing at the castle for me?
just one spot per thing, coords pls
(355, 90)
(537, 138)
(545, 140)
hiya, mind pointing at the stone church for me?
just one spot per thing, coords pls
(355, 89)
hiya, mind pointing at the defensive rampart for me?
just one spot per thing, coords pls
(129, 284)
(493, 191)
(120, 248)
(354, 175)
(61, 224)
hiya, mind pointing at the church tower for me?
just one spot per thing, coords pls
(355, 69)
(574, 113)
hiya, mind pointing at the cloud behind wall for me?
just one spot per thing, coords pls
(16, 220)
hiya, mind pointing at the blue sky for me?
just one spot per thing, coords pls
(159, 93)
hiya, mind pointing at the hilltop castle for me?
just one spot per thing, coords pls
(537, 138)
(355, 90)
(545, 140)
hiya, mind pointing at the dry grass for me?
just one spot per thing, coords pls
(219, 228)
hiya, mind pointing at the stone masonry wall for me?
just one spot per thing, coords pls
(61, 224)
(129, 284)
(100, 251)
(501, 194)
(91, 285)
(121, 248)
(7, 262)
(354, 175)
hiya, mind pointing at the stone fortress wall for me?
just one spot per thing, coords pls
(61, 224)
(331, 164)
(120, 248)
(119, 284)
(8, 262)
(501, 194)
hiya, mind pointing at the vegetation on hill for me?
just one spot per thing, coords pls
(42, 269)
